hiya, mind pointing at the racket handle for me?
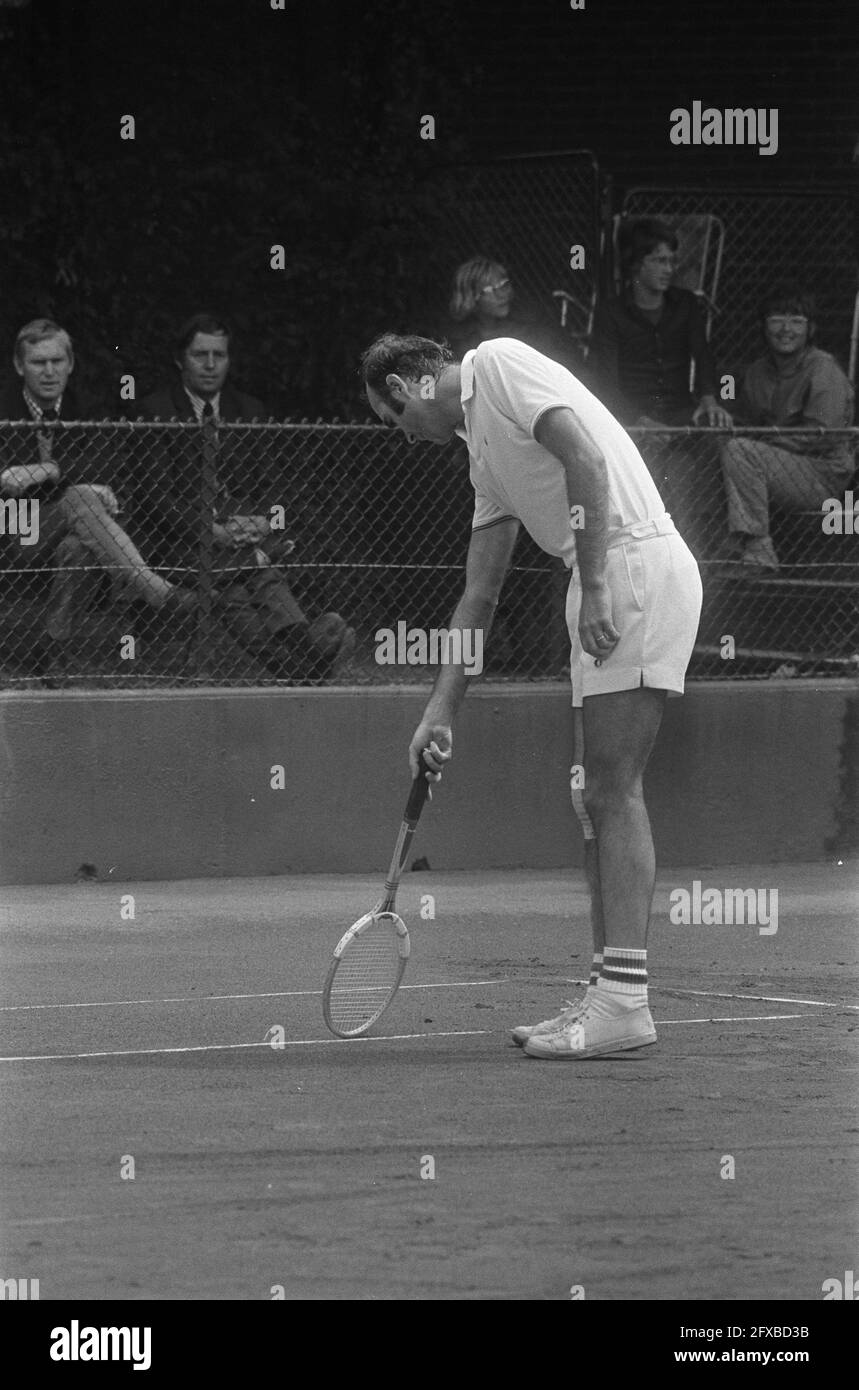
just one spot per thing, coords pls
(418, 793)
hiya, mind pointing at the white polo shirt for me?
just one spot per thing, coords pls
(506, 388)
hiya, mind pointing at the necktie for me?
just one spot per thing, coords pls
(211, 485)
(46, 439)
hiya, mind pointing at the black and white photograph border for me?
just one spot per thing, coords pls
(357, 359)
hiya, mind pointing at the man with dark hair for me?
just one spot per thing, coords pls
(544, 452)
(646, 339)
(201, 355)
(54, 466)
(252, 595)
(792, 385)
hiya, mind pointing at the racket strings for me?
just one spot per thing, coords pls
(368, 973)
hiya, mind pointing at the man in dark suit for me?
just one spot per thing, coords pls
(222, 474)
(67, 475)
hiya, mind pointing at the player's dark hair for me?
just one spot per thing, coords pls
(407, 356)
(198, 323)
(789, 297)
(639, 238)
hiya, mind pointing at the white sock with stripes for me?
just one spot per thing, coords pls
(622, 983)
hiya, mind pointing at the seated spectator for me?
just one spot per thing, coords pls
(485, 305)
(64, 471)
(792, 385)
(251, 594)
(646, 339)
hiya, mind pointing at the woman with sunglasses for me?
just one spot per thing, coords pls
(485, 305)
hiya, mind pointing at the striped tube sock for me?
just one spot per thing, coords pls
(595, 969)
(623, 980)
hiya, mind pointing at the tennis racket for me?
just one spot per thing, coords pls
(370, 960)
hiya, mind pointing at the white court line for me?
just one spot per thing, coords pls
(212, 998)
(53, 1220)
(233, 1047)
(760, 998)
(309, 1042)
(757, 998)
(439, 984)
(743, 1018)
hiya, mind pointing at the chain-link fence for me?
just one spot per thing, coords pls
(809, 236)
(769, 515)
(181, 554)
(528, 212)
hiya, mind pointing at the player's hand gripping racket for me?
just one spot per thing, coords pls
(369, 961)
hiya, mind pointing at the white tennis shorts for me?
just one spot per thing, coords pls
(656, 607)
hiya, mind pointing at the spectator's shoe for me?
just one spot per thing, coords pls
(569, 1014)
(595, 1035)
(759, 554)
(333, 640)
(179, 603)
(305, 654)
(327, 634)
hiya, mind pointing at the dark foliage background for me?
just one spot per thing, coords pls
(253, 128)
(300, 127)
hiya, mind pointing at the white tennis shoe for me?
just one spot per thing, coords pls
(568, 1015)
(593, 1035)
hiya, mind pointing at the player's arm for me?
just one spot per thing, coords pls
(561, 432)
(488, 558)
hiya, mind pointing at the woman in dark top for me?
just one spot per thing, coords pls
(646, 339)
(485, 305)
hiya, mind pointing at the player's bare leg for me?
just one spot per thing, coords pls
(619, 732)
(592, 857)
(573, 1008)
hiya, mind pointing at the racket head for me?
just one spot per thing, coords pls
(365, 973)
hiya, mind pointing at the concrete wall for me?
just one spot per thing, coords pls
(177, 784)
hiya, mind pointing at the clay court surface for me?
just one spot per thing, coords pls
(300, 1165)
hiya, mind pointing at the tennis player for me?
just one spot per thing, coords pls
(546, 454)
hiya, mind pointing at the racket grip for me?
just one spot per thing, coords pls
(418, 793)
